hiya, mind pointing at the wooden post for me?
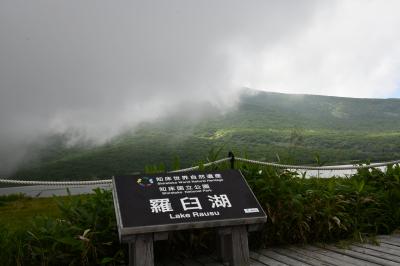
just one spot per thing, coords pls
(240, 247)
(232, 160)
(224, 244)
(234, 246)
(141, 251)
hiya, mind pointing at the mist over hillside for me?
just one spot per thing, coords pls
(126, 84)
(268, 126)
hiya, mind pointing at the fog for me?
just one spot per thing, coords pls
(101, 67)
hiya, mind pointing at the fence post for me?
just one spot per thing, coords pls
(232, 160)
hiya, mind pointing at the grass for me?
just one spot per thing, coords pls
(74, 230)
(17, 212)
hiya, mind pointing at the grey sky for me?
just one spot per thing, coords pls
(100, 66)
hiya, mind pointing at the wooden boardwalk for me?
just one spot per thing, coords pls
(386, 253)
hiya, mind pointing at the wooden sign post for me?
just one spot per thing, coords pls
(148, 207)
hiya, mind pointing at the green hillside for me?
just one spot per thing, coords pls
(267, 126)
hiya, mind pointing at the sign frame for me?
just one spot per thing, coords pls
(126, 233)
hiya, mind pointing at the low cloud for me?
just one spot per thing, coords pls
(100, 67)
(349, 48)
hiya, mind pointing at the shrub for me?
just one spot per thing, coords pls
(304, 210)
(84, 234)
(300, 210)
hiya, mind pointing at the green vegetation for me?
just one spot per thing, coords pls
(323, 210)
(17, 211)
(297, 128)
(83, 231)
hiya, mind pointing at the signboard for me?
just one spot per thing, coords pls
(167, 202)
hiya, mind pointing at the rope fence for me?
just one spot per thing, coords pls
(204, 165)
(326, 168)
(56, 183)
(94, 182)
(228, 159)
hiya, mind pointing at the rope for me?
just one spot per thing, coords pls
(204, 165)
(56, 183)
(326, 168)
(285, 166)
(95, 182)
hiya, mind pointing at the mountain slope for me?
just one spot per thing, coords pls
(267, 126)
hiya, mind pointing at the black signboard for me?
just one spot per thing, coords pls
(167, 202)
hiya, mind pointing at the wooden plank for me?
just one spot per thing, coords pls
(361, 256)
(391, 238)
(284, 259)
(395, 237)
(389, 241)
(386, 249)
(325, 258)
(141, 251)
(224, 244)
(239, 247)
(256, 263)
(338, 257)
(386, 253)
(389, 246)
(265, 260)
(301, 257)
(375, 253)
